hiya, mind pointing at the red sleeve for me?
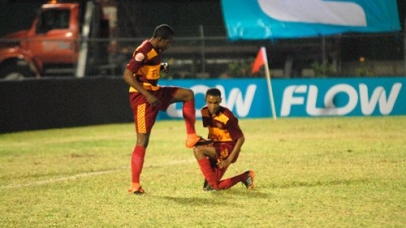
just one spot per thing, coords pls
(139, 57)
(206, 120)
(233, 126)
(134, 65)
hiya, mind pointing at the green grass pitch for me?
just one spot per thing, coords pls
(310, 172)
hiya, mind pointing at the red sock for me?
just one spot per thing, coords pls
(137, 162)
(220, 172)
(230, 182)
(189, 115)
(208, 173)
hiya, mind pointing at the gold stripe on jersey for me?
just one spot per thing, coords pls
(147, 86)
(221, 118)
(151, 54)
(150, 72)
(217, 132)
(141, 125)
(219, 135)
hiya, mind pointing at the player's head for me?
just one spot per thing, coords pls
(213, 100)
(163, 31)
(163, 35)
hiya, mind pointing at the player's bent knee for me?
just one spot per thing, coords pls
(190, 94)
(198, 152)
(184, 94)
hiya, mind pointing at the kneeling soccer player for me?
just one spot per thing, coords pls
(228, 138)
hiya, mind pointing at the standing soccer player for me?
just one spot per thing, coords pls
(147, 98)
(228, 138)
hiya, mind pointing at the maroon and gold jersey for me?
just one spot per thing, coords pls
(223, 127)
(148, 70)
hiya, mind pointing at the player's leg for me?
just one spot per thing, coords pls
(144, 118)
(186, 96)
(203, 155)
(230, 182)
(188, 109)
(137, 163)
(213, 164)
(246, 178)
(220, 172)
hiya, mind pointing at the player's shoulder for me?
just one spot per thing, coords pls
(228, 113)
(144, 47)
(225, 110)
(204, 111)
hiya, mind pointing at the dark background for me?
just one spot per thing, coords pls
(68, 102)
(138, 18)
(18, 14)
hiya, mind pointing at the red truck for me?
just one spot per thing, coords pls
(57, 43)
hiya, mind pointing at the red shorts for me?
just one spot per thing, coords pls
(223, 150)
(144, 113)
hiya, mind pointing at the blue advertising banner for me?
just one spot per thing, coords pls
(245, 97)
(269, 19)
(249, 98)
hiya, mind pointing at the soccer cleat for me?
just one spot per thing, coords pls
(136, 191)
(207, 187)
(195, 140)
(249, 182)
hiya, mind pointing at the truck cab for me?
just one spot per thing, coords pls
(51, 45)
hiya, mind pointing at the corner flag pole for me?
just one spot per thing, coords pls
(268, 81)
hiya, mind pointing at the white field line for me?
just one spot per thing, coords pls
(87, 174)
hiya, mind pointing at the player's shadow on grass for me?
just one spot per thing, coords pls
(222, 197)
(256, 193)
(196, 201)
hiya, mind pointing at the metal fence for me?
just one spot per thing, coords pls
(367, 55)
(336, 56)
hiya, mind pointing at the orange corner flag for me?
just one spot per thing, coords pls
(260, 60)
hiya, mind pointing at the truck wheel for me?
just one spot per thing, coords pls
(13, 72)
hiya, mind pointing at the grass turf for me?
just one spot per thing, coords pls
(310, 172)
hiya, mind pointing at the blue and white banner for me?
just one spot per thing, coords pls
(269, 19)
(248, 98)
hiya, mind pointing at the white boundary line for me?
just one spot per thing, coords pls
(83, 175)
(53, 180)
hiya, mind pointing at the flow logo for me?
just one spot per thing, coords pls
(295, 95)
(315, 11)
